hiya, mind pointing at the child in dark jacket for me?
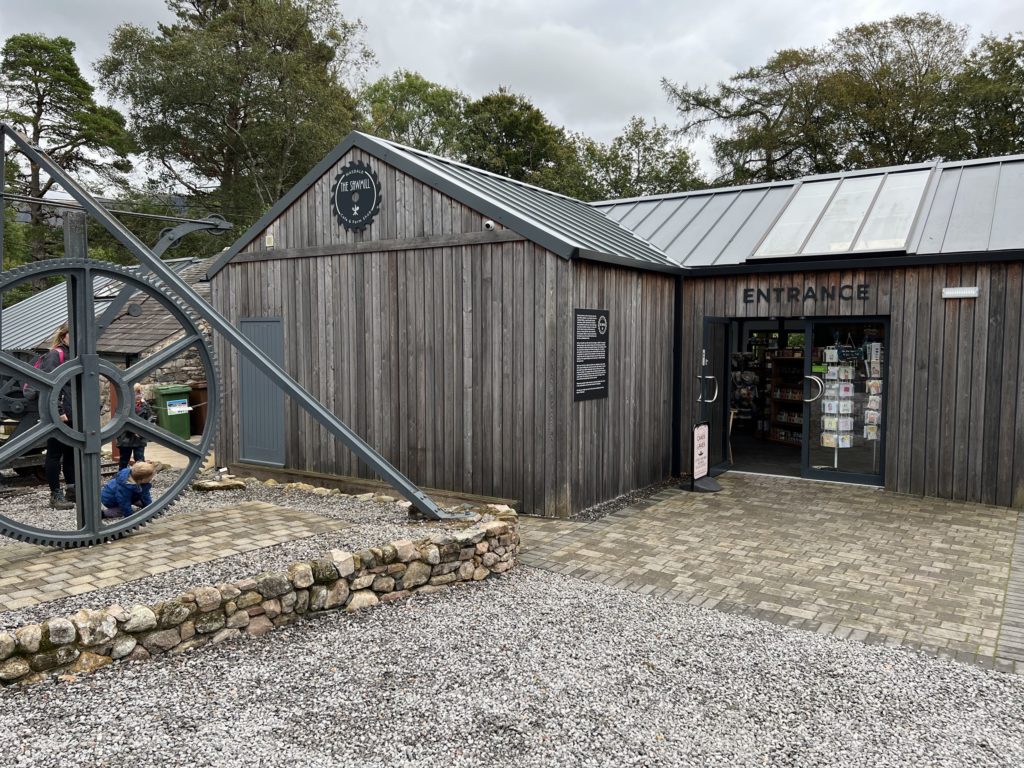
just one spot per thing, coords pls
(129, 489)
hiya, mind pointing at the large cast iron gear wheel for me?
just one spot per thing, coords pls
(91, 528)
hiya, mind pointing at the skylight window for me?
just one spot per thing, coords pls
(892, 215)
(790, 231)
(839, 225)
(847, 215)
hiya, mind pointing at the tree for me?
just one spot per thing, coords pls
(990, 92)
(407, 108)
(506, 134)
(47, 99)
(892, 84)
(645, 160)
(773, 119)
(876, 94)
(236, 98)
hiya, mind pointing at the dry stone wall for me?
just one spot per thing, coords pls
(92, 639)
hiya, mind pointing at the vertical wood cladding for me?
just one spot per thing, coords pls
(954, 422)
(455, 361)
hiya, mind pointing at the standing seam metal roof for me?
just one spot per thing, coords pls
(967, 207)
(569, 228)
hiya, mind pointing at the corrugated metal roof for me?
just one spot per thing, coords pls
(965, 207)
(563, 225)
(30, 323)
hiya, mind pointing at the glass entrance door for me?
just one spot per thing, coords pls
(712, 390)
(844, 400)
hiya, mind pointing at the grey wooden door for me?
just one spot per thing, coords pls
(261, 402)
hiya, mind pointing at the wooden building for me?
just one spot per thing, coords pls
(860, 327)
(484, 335)
(493, 338)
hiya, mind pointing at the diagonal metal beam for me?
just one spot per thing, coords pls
(213, 223)
(305, 399)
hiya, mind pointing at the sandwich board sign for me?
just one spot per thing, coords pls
(701, 452)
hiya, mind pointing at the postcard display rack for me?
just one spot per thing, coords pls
(851, 403)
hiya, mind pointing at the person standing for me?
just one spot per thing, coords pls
(60, 455)
(132, 445)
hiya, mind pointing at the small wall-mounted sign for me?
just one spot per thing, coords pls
(591, 354)
(356, 196)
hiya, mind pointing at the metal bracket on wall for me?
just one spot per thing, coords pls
(219, 324)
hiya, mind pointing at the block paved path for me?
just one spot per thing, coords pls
(852, 561)
(32, 574)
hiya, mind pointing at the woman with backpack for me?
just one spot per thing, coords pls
(58, 454)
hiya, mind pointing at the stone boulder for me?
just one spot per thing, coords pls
(94, 627)
(140, 619)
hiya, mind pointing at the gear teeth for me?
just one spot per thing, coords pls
(190, 321)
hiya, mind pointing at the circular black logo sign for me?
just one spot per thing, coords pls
(356, 196)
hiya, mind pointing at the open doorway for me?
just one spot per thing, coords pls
(766, 396)
(800, 397)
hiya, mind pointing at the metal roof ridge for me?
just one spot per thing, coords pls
(522, 208)
(465, 166)
(693, 193)
(902, 168)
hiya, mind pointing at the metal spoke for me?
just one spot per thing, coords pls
(24, 371)
(39, 433)
(162, 436)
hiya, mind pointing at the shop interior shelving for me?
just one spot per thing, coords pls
(786, 397)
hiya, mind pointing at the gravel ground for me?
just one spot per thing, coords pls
(529, 669)
(370, 524)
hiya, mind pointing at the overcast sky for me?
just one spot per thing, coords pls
(589, 65)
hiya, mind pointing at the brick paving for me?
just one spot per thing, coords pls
(1011, 638)
(32, 574)
(852, 561)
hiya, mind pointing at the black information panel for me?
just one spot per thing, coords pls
(591, 348)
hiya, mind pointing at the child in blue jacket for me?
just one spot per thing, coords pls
(127, 490)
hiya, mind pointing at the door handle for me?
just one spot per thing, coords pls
(700, 389)
(821, 388)
(715, 396)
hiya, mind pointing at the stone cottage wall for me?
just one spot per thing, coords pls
(207, 615)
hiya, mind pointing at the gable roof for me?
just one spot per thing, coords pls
(963, 207)
(563, 225)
